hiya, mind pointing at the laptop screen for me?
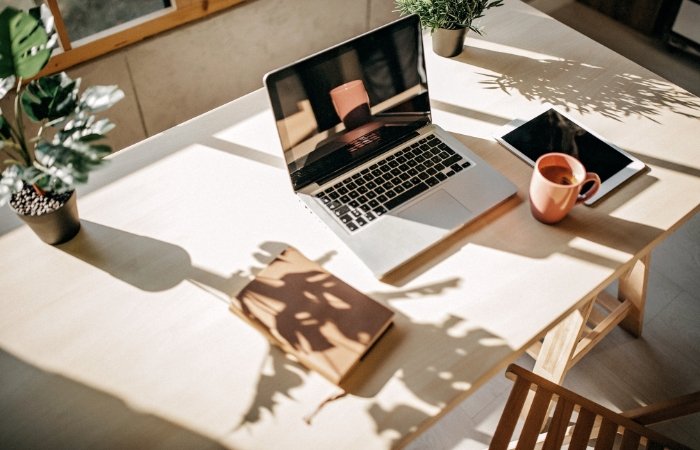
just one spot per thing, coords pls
(339, 108)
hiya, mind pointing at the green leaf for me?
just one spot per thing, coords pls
(448, 14)
(10, 182)
(99, 98)
(6, 85)
(91, 137)
(23, 44)
(50, 98)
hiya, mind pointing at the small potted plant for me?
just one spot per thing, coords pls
(448, 20)
(40, 170)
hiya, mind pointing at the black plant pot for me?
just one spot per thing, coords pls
(448, 43)
(58, 226)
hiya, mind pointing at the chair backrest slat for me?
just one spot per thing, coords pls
(630, 440)
(591, 422)
(535, 419)
(558, 426)
(582, 430)
(511, 413)
(606, 435)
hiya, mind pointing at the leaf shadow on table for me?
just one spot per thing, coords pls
(580, 86)
(279, 376)
(441, 375)
(436, 381)
(50, 410)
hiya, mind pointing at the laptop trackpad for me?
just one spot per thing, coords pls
(440, 210)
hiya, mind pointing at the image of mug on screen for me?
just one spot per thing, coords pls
(351, 103)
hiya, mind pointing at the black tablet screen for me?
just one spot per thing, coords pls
(552, 132)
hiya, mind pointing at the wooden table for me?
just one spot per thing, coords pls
(123, 336)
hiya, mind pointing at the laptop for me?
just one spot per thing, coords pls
(363, 154)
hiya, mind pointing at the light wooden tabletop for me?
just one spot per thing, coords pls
(124, 335)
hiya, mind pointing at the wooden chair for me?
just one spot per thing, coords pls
(577, 421)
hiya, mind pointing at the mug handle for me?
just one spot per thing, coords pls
(590, 176)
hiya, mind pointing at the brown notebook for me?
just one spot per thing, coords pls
(322, 321)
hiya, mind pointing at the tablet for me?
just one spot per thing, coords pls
(552, 131)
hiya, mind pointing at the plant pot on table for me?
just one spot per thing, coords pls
(53, 217)
(449, 42)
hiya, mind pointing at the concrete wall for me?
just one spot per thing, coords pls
(184, 72)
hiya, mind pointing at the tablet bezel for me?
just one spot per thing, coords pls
(633, 168)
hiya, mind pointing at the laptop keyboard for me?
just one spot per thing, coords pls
(362, 198)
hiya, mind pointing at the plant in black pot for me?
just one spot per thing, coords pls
(448, 20)
(41, 168)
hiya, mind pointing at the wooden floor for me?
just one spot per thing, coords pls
(621, 372)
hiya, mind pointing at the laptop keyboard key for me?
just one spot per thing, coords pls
(405, 196)
(451, 160)
(341, 211)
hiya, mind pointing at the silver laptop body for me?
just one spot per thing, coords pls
(363, 154)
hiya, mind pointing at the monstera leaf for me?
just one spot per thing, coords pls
(100, 98)
(50, 98)
(24, 48)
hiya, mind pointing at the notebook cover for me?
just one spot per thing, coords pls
(311, 314)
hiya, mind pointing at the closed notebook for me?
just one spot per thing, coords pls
(311, 314)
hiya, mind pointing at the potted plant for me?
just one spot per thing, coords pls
(40, 170)
(448, 20)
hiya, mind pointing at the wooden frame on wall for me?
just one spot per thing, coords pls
(76, 52)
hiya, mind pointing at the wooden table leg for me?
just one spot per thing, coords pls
(633, 287)
(567, 342)
(559, 345)
(555, 356)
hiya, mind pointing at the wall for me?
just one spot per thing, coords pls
(182, 73)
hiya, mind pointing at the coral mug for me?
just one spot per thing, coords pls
(556, 185)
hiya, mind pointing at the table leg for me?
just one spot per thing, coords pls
(571, 339)
(633, 287)
(555, 356)
(559, 345)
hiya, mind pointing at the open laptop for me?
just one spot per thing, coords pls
(363, 154)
